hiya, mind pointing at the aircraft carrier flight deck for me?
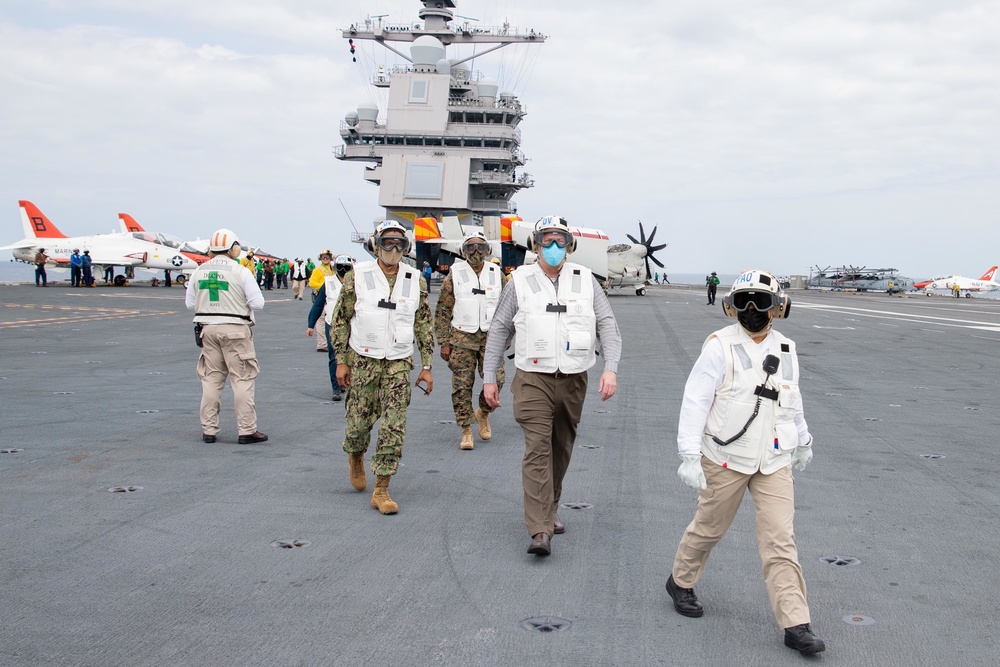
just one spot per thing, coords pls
(126, 540)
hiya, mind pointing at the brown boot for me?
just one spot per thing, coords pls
(483, 421)
(380, 498)
(466, 438)
(358, 478)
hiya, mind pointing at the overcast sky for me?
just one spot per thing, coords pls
(777, 134)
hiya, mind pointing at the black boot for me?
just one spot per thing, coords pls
(802, 639)
(685, 601)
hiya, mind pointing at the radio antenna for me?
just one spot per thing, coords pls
(348, 216)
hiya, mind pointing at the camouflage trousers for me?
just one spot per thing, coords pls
(380, 389)
(464, 363)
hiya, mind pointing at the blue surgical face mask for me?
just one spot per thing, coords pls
(553, 254)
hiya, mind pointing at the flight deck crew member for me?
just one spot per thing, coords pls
(249, 262)
(559, 311)
(224, 295)
(41, 279)
(712, 282)
(465, 307)
(325, 301)
(299, 278)
(87, 264)
(76, 269)
(316, 279)
(742, 428)
(381, 311)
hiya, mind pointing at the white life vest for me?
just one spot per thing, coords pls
(219, 296)
(768, 444)
(476, 296)
(382, 326)
(333, 287)
(555, 332)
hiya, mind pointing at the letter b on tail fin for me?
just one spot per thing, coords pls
(35, 224)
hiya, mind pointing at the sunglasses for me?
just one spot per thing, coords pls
(762, 301)
(476, 246)
(561, 239)
(392, 243)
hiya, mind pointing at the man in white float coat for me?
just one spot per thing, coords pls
(559, 312)
(469, 296)
(381, 312)
(742, 429)
(224, 295)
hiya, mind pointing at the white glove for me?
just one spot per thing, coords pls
(801, 457)
(690, 471)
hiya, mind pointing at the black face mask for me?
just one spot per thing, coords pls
(753, 320)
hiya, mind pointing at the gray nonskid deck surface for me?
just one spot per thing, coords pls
(182, 572)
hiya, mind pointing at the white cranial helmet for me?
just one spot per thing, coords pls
(476, 235)
(383, 227)
(552, 223)
(223, 240)
(759, 288)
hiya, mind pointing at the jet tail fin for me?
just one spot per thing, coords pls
(36, 225)
(426, 229)
(988, 276)
(450, 226)
(128, 223)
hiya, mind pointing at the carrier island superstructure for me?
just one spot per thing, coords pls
(450, 144)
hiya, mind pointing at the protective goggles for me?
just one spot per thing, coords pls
(393, 243)
(547, 237)
(762, 301)
(476, 246)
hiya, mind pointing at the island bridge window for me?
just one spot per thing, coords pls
(424, 180)
(418, 91)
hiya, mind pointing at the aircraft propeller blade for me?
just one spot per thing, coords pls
(650, 248)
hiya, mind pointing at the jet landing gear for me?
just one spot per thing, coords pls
(640, 291)
(181, 279)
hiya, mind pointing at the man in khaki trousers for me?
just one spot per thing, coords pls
(559, 312)
(742, 429)
(224, 295)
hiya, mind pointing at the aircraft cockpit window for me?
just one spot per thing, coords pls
(144, 236)
(170, 241)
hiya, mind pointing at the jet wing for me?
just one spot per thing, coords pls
(116, 260)
(24, 243)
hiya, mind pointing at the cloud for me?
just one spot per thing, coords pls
(794, 132)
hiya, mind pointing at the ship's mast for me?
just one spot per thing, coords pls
(449, 141)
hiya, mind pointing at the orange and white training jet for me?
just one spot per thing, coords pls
(198, 248)
(985, 283)
(127, 249)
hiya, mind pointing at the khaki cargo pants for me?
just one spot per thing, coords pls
(774, 498)
(227, 351)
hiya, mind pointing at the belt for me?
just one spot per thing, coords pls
(560, 375)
